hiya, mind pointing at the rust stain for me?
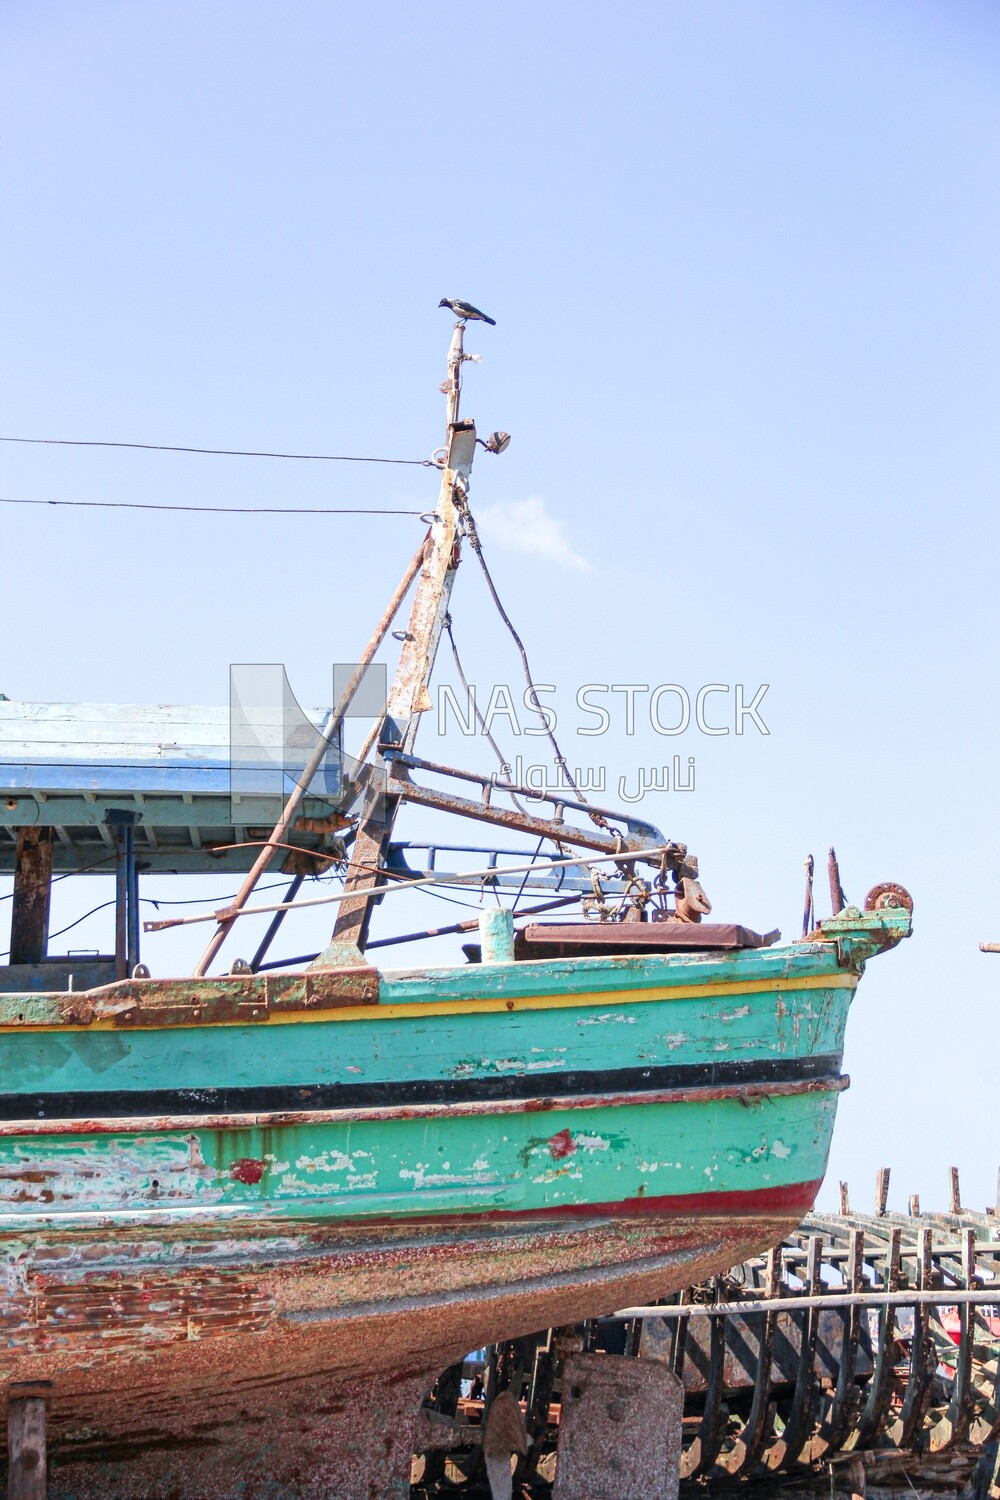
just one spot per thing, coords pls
(247, 1169)
(561, 1144)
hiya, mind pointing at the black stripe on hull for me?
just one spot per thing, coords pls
(292, 1098)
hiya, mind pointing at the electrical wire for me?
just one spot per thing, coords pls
(223, 510)
(332, 458)
(159, 901)
(84, 870)
(145, 901)
(92, 913)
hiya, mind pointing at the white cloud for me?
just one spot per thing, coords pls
(525, 526)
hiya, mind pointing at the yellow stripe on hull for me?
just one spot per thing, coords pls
(487, 1005)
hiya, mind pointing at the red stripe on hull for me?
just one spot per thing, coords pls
(792, 1198)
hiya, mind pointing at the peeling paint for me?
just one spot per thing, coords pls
(607, 1018)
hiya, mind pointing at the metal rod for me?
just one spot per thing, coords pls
(808, 910)
(132, 902)
(121, 822)
(416, 937)
(469, 877)
(834, 1253)
(298, 792)
(275, 923)
(121, 906)
(831, 1300)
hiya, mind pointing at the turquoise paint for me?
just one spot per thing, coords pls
(478, 1045)
(448, 1163)
(413, 1168)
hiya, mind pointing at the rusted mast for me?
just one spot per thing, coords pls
(408, 696)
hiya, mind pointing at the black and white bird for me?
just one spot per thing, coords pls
(466, 311)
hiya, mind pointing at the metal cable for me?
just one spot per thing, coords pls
(336, 458)
(470, 697)
(476, 544)
(222, 510)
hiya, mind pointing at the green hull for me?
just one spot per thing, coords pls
(217, 1192)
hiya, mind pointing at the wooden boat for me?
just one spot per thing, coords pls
(228, 1203)
(245, 1220)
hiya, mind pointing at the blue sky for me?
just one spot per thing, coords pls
(742, 258)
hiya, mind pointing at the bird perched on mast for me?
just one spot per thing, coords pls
(466, 311)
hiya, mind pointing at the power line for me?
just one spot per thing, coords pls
(224, 510)
(332, 458)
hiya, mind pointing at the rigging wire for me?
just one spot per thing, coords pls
(223, 510)
(527, 873)
(470, 697)
(333, 458)
(477, 546)
(504, 764)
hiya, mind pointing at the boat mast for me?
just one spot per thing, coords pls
(409, 696)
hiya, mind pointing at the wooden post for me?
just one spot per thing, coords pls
(845, 1200)
(956, 1191)
(881, 1192)
(27, 1462)
(29, 923)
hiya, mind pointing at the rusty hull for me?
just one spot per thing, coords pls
(235, 1366)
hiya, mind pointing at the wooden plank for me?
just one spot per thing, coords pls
(639, 935)
(29, 923)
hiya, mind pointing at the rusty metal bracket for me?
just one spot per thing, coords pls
(638, 835)
(239, 998)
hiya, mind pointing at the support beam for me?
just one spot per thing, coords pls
(29, 925)
(121, 822)
(27, 1461)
